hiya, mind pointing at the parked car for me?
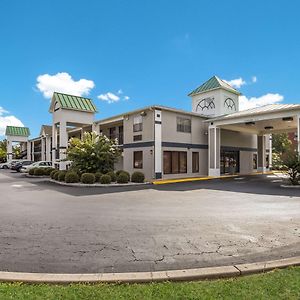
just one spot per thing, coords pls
(7, 165)
(17, 166)
(38, 164)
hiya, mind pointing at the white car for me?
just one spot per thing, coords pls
(7, 165)
(38, 164)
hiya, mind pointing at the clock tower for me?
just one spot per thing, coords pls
(215, 97)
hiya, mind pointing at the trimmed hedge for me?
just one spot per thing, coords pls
(39, 172)
(55, 176)
(47, 171)
(122, 171)
(52, 173)
(31, 171)
(137, 177)
(98, 176)
(71, 177)
(87, 178)
(61, 175)
(123, 177)
(112, 175)
(105, 179)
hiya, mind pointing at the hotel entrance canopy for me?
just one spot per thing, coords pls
(268, 119)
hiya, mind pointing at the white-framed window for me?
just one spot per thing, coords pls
(137, 123)
(184, 124)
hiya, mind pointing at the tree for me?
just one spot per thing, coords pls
(3, 152)
(94, 153)
(291, 162)
(281, 145)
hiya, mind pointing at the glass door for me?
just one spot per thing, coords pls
(230, 162)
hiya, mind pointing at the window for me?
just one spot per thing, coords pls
(175, 162)
(138, 159)
(254, 161)
(137, 123)
(195, 162)
(183, 124)
(112, 133)
(137, 137)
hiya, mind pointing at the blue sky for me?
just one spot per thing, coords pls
(152, 52)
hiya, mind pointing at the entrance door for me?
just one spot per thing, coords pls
(230, 162)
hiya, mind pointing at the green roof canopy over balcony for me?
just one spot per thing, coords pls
(17, 131)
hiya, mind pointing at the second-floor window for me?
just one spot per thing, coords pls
(183, 124)
(137, 123)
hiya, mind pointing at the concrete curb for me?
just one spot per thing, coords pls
(98, 184)
(159, 276)
(290, 186)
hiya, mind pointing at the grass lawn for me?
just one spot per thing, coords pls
(279, 284)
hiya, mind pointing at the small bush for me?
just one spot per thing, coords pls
(47, 171)
(52, 173)
(112, 175)
(55, 176)
(98, 176)
(87, 178)
(61, 175)
(122, 171)
(105, 179)
(39, 172)
(123, 178)
(138, 177)
(31, 171)
(71, 177)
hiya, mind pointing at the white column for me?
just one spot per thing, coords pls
(28, 150)
(81, 133)
(63, 143)
(9, 150)
(48, 148)
(270, 151)
(157, 144)
(261, 153)
(213, 151)
(298, 134)
(43, 154)
(32, 151)
(54, 143)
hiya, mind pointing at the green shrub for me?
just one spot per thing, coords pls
(31, 171)
(123, 177)
(120, 171)
(105, 179)
(52, 173)
(47, 171)
(138, 177)
(71, 177)
(39, 172)
(61, 175)
(98, 176)
(87, 178)
(55, 176)
(112, 175)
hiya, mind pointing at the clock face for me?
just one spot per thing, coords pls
(206, 104)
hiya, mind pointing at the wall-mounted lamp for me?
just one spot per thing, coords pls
(288, 119)
(250, 123)
(269, 127)
(143, 114)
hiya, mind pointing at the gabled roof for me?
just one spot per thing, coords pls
(47, 129)
(212, 84)
(72, 102)
(18, 131)
(265, 109)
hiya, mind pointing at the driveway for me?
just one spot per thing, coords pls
(49, 228)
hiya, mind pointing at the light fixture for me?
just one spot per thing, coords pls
(269, 127)
(287, 119)
(250, 123)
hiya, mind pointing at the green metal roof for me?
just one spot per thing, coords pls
(212, 84)
(74, 102)
(19, 131)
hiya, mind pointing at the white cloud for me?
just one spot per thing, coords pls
(126, 98)
(109, 97)
(7, 120)
(120, 91)
(236, 83)
(247, 103)
(254, 79)
(64, 83)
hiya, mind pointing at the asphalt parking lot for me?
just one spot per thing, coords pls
(51, 228)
